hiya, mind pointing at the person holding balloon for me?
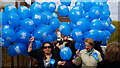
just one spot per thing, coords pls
(46, 57)
(89, 56)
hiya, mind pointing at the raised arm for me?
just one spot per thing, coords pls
(30, 44)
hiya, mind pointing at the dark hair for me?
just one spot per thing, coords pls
(112, 52)
(46, 43)
(52, 49)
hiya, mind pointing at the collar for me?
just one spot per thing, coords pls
(89, 53)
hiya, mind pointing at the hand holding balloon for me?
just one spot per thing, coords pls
(32, 39)
(78, 51)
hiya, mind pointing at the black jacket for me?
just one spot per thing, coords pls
(36, 54)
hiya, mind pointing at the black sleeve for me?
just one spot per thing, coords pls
(34, 54)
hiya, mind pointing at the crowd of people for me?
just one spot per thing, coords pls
(90, 57)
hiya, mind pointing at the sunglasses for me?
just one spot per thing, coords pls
(45, 47)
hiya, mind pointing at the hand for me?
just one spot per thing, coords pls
(73, 61)
(61, 63)
(78, 51)
(57, 45)
(32, 39)
(65, 38)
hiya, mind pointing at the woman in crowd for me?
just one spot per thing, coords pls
(112, 56)
(44, 55)
(89, 56)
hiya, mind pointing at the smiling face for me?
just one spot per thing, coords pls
(88, 47)
(47, 48)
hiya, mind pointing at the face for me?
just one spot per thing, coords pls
(47, 48)
(88, 47)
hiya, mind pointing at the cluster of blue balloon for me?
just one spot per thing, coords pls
(19, 25)
(89, 19)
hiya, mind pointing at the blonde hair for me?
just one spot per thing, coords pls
(89, 41)
(112, 52)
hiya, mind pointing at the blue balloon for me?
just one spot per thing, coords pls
(74, 15)
(104, 14)
(35, 8)
(41, 33)
(10, 9)
(87, 16)
(97, 3)
(17, 28)
(38, 18)
(9, 35)
(111, 28)
(96, 35)
(80, 45)
(52, 61)
(109, 20)
(48, 28)
(52, 6)
(106, 24)
(64, 23)
(82, 24)
(66, 2)
(104, 43)
(105, 6)
(54, 15)
(72, 25)
(28, 25)
(96, 24)
(6, 44)
(94, 12)
(48, 39)
(13, 19)
(86, 5)
(45, 6)
(102, 35)
(23, 36)
(36, 44)
(108, 34)
(11, 51)
(79, 8)
(63, 10)
(3, 19)
(48, 17)
(6, 27)
(23, 12)
(80, 3)
(76, 35)
(65, 53)
(54, 23)
(25, 53)
(16, 49)
(54, 36)
(1, 42)
(65, 29)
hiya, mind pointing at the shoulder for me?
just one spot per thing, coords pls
(84, 50)
(97, 52)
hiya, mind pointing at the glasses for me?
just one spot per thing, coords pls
(45, 47)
